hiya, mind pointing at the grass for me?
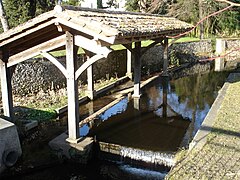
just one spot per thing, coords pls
(41, 106)
(121, 47)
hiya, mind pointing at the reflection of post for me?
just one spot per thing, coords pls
(136, 102)
(137, 70)
(165, 87)
(90, 108)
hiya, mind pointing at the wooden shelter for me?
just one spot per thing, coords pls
(91, 29)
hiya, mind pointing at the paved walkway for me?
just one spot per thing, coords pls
(219, 158)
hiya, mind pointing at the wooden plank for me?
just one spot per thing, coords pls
(88, 63)
(6, 87)
(91, 45)
(36, 50)
(55, 62)
(27, 32)
(72, 90)
(34, 37)
(92, 116)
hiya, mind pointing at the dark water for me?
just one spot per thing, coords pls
(166, 118)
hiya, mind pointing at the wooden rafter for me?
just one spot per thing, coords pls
(36, 50)
(33, 37)
(39, 27)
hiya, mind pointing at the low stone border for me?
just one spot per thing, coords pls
(84, 99)
(200, 138)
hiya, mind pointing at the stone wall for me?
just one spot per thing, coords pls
(180, 53)
(232, 47)
(39, 74)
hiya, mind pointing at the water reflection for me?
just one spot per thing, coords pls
(166, 116)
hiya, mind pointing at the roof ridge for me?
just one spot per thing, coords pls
(78, 8)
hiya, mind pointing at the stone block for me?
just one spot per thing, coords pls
(79, 152)
(10, 148)
(28, 125)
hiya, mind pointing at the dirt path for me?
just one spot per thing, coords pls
(219, 158)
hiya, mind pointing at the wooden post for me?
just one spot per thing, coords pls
(129, 64)
(72, 90)
(6, 87)
(137, 70)
(165, 56)
(90, 88)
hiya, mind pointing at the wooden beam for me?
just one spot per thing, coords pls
(72, 90)
(36, 50)
(55, 62)
(91, 45)
(88, 63)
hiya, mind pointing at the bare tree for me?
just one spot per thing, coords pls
(143, 6)
(3, 17)
(200, 6)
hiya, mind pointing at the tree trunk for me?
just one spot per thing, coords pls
(3, 17)
(200, 5)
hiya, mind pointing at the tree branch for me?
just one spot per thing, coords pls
(213, 14)
(229, 2)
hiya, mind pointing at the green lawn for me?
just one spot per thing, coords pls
(120, 47)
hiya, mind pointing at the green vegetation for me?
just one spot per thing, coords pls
(19, 11)
(224, 24)
(35, 114)
(41, 106)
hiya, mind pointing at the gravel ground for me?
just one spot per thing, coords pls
(220, 156)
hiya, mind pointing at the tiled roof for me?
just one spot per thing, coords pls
(128, 23)
(105, 23)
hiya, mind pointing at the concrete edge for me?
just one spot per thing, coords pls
(200, 139)
(84, 99)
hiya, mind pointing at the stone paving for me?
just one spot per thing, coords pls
(219, 158)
